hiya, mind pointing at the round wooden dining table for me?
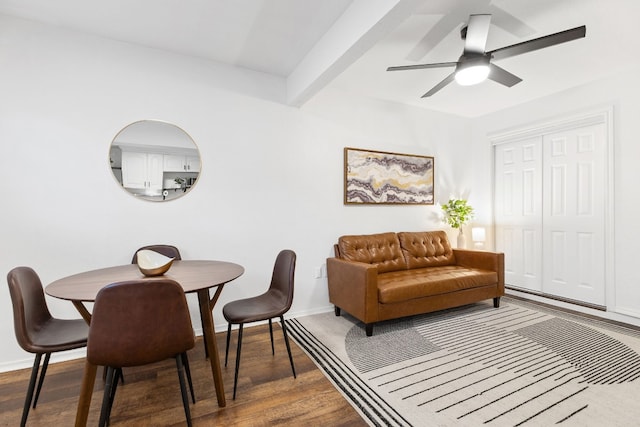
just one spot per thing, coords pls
(193, 275)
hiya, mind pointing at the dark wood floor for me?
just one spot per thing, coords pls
(267, 393)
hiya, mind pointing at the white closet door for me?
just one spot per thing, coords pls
(574, 214)
(550, 195)
(518, 211)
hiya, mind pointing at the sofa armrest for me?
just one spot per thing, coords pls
(353, 287)
(492, 261)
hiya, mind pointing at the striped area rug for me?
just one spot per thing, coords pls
(518, 365)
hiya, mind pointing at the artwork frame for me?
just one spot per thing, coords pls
(381, 177)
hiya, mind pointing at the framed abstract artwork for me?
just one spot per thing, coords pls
(378, 177)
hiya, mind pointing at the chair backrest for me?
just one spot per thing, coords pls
(138, 322)
(30, 311)
(283, 276)
(166, 250)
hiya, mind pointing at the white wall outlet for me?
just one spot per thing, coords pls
(318, 272)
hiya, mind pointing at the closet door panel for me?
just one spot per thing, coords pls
(518, 211)
(574, 216)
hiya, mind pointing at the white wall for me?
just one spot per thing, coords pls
(271, 174)
(623, 293)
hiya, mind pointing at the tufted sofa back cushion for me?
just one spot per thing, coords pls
(426, 249)
(380, 249)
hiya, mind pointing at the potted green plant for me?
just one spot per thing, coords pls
(457, 212)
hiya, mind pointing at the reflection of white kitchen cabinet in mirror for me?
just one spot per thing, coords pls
(142, 171)
(193, 163)
(154, 160)
(181, 163)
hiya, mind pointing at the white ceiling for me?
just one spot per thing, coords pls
(348, 44)
(612, 44)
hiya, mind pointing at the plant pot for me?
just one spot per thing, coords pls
(462, 239)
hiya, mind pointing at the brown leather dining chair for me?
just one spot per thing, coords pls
(136, 323)
(275, 302)
(37, 331)
(171, 252)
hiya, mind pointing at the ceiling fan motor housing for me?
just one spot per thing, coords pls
(463, 32)
(472, 60)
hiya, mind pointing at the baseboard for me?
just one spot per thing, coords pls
(557, 298)
(606, 316)
(57, 357)
(627, 311)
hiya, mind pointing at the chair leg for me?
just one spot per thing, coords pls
(117, 374)
(273, 352)
(185, 362)
(183, 391)
(32, 385)
(226, 352)
(43, 372)
(235, 379)
(120, 375)
(286, 341)
(106, 398)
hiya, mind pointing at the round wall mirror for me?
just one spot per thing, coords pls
(154, 160)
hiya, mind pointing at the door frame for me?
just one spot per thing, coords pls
(602, 115)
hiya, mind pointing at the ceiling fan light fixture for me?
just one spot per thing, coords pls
(472, 74)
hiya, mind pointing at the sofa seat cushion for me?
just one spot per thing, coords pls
(398, 286)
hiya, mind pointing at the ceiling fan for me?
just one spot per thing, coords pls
(475, 64)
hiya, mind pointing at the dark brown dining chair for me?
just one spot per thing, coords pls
(271, 304)
(37, 331)
(136, 323)
(171, 252)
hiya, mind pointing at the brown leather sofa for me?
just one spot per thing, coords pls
(386, 276)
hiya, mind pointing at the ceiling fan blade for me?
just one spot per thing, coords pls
(421, 66)
(502, 76)
(477, 33)
(440, 85)
(539, 43)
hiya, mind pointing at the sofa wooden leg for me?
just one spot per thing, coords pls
(496, 302)
(336, 310)
(368, 327)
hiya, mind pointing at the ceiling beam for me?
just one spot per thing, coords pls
(362, 25)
